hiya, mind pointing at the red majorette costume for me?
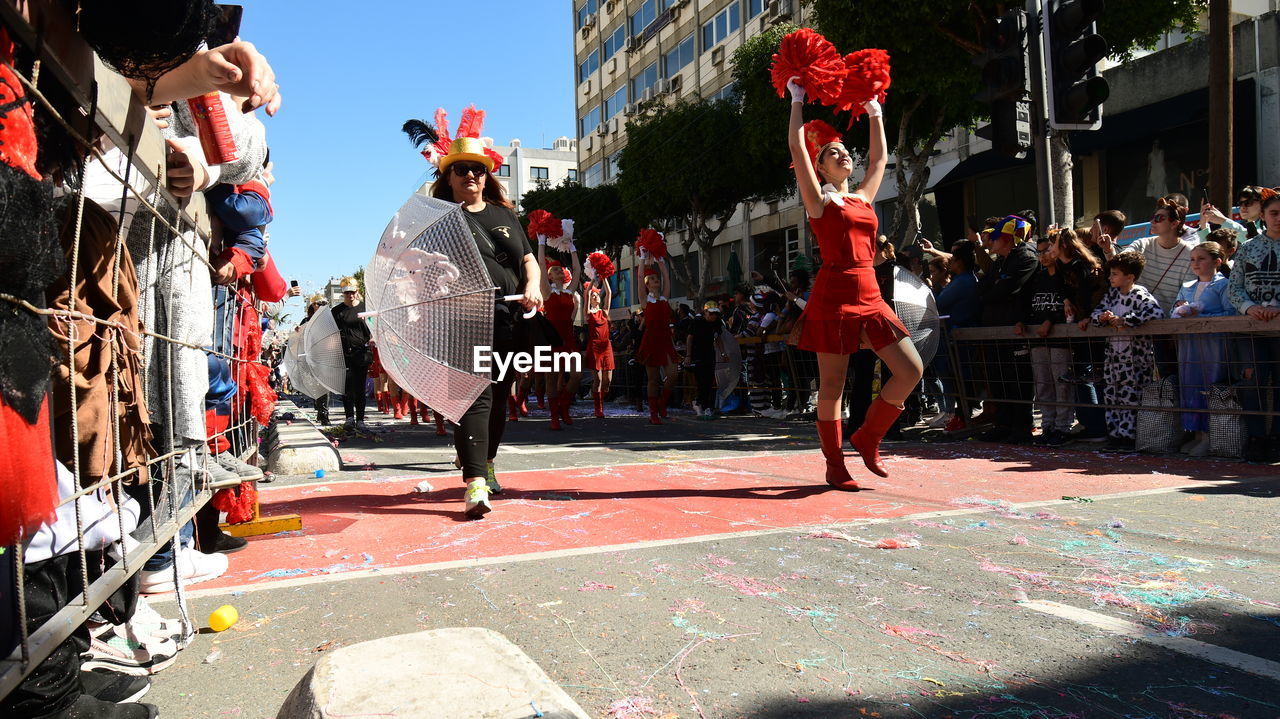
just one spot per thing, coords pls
(599, 348)
(559, 308)
(845, 301)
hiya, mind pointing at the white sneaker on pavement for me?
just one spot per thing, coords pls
(477, 499)
(193, 567)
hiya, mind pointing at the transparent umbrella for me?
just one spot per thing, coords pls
(322, 351)
(913, 302)
(432, 303)
(296, 368)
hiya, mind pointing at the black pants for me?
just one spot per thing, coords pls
(353, 397)
(1011, 387)
(322, 409)
(860, 376)
(704, 373)
(54, 683)
(481, 428)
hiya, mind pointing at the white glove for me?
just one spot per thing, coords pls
(797, 92)
(643, 253)
(542, 239)
(873, 108)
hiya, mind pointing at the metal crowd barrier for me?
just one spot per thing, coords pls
(107, 104)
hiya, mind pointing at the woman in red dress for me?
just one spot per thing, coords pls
(845, 309)
(599, 348)
(561, 307)
(657, 351)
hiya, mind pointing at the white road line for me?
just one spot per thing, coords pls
(1183, 645)
(582, 551)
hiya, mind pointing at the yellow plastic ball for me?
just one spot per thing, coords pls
(223, 618)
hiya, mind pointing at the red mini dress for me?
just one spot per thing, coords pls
(559, 309)
(656, 348)
(599, 348)
(846, 300)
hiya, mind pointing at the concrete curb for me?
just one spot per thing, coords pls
(462, 673)
(297, 446)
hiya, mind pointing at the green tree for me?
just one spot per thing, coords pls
(599, 220)
(685, 166)
(359, 275)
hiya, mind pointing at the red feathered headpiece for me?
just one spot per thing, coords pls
(466, 146)
(817, 135)
(17, 131)
(651, 241)
(812, 58)
(600, 263)
(866, 78)
(650, 271)
(545, 224)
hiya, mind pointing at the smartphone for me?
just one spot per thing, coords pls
(293, 283)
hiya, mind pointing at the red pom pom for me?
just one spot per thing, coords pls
(601, 263)
(811, 57)
(544, 223)
(237, 502)
(867, 78)
(651, 241)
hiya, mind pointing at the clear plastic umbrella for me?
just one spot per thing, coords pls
(913, 302)
(296, 368)
(322, 351)
(432, 303)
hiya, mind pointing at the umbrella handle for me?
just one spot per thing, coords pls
(517, 298)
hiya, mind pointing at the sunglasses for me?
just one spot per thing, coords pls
(1246, 201)
(462, 169)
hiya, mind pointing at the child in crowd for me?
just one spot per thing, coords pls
(1200, 355)
(1050, 358)
(1226, 238)
(1130, 361)
(1254, 290)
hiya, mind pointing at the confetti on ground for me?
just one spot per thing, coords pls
(595, 587)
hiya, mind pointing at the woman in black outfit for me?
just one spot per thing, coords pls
(356, 351)
(466, 177)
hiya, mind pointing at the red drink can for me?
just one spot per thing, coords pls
(211, 125)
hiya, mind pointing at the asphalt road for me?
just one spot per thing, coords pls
(990, 608)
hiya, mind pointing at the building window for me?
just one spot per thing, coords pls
(539, 173)
(504, 171)
(587, 123)
(611, 166)
(724, 93)
(644, 80)
(677, 58)
(588, 66)
(593, 175)
(615, 103)
(588, 8)
(715, 30)
(754, 7)
(615, 42)
(641, 18)
(573, 175)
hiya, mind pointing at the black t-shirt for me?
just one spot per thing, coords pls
(354, 330)
(704, 335)
(504, 248)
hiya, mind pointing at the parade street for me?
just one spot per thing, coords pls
(652, 572)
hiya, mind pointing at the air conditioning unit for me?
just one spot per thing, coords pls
(588, 142)
(612, 65)
(589, 20)
(663, 86)
(647, 95)
(779, 9)
(609, 6)
(602, 129)
(629, 109)
(717, 55)
(613, 126)
(586, 87)
(633, 43)
(675, 83)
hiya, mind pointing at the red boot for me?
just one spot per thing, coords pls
(413, 410)
(653, 409)
(555, 413)
(523, 404)
(599, 400)
(662, 403)
(829, 432)
(513, 409)
(381, 399)
(439, 424)
(566, 401)
(542, 402)
(866, 440)
(399, 403)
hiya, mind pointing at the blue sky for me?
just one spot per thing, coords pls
(352, 73)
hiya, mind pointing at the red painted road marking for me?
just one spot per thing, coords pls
(365, 525)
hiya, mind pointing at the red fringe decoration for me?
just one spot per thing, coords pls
(811, 57)
(17, 129)
(867, 78)
(237, 502)
(601, 263)
(652, 242)
(262, 399)
(544, 223)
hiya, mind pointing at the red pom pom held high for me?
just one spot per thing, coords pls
(866, 78)
(545, 224)
(652, 241)
(812, 58)
(602, 265)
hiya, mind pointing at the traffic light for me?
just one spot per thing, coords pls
(1072, 50)
(1004, 60)
(1010, 128)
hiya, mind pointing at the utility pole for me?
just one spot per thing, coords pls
(1040, 120)
(1221, 104)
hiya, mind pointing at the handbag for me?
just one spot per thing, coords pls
(1226, 430)
(1159, 428)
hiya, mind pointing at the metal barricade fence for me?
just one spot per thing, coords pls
(134, 269)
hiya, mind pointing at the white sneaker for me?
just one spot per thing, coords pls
(940, 421)
(146, 623)
(477, 499)
(121, 653)
(193, 567)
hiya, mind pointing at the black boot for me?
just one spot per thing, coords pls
(1255, 450)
